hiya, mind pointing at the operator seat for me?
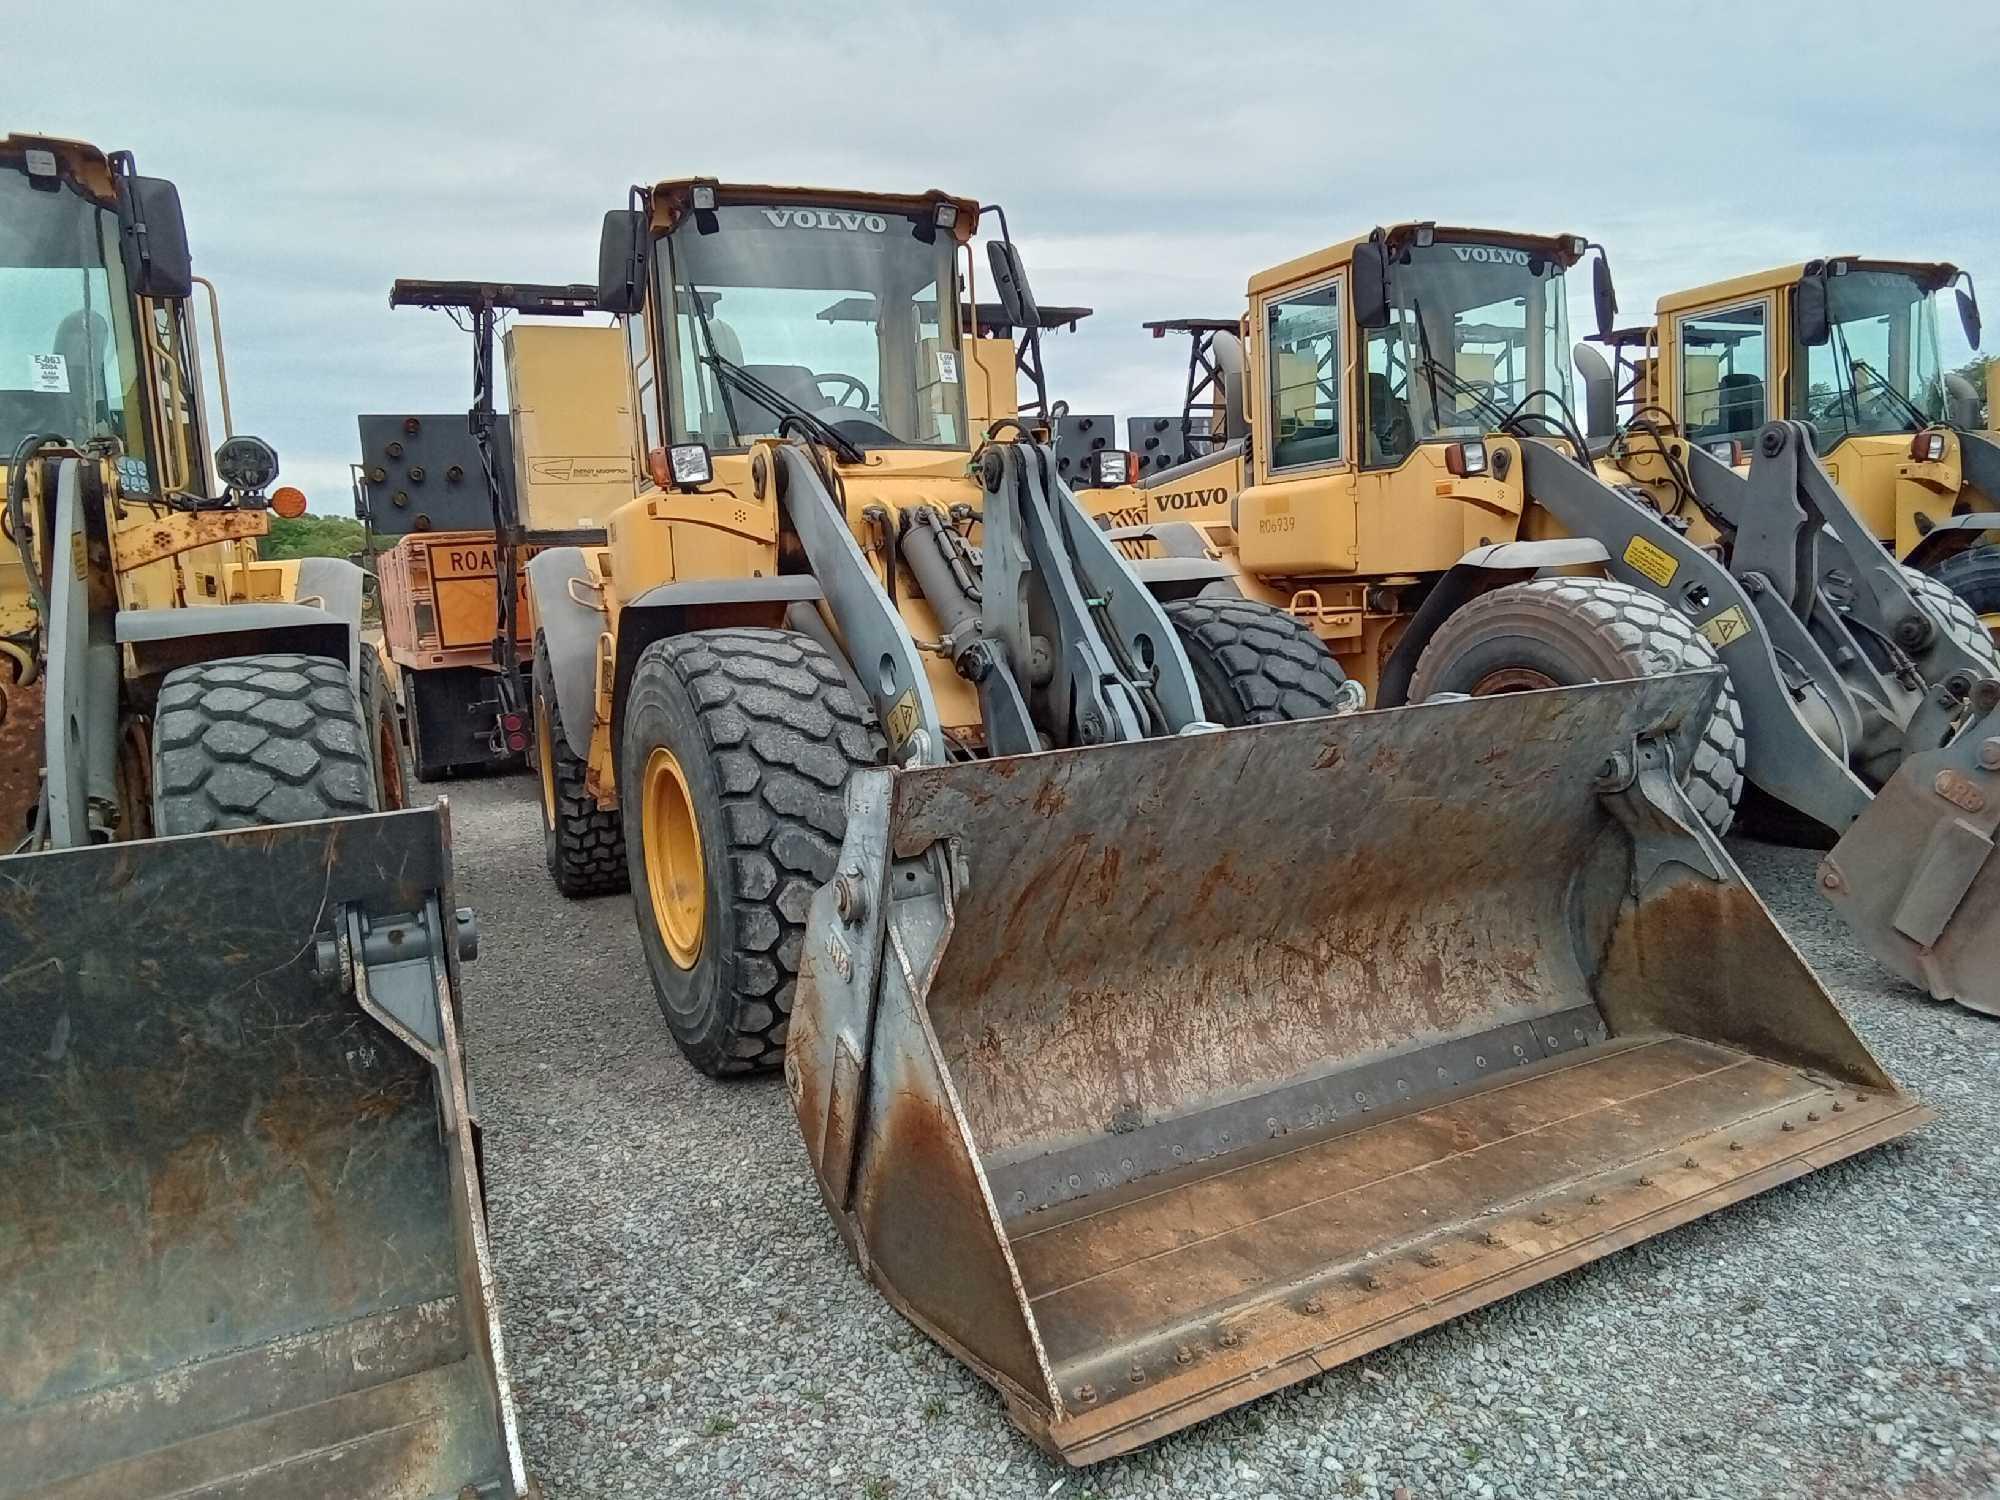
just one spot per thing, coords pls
(1740, 403)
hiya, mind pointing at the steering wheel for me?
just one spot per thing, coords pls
(849, 386)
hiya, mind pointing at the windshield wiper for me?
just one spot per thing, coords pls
(776, 400)
(1919, 419)
(1431, 366)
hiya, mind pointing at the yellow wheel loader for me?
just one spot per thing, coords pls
(1849, 345)
(242, 1244)
(1159, 1034)
(1411, 480)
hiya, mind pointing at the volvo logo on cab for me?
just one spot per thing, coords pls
(1491, 255)
(825, 218)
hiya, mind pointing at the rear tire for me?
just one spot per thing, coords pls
(1256, 664)
(734, 758)
(250, 741)
(385, 735)
(582, 843)
(1562, 632)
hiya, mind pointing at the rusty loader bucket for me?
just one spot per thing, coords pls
(1916, 875)
(242, 1248)
(1151, 1078)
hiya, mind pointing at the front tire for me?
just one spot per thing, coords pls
(249, 741)
(1974, 575)
(1562, 632)
(734, 758)
(1956, 598)
(1256, 664)
(582, 843)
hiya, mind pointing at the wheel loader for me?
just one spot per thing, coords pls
(1436, 514)
(1160, 1033)
(242, 1242)
(1849, 345)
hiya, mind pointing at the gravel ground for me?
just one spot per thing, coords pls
(682, 1320)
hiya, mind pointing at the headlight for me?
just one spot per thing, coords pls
(684, 466)
(1928, 447)
(1115, 466)
(247, 463)
(1465, 460)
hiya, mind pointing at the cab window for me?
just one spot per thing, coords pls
(1302, 333)
(1725, 378)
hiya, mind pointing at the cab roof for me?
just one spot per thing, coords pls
(1931, 275)
(1333, 257)
(674, 197)
(81, 164)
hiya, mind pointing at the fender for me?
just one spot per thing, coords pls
(662, 611)
(162, 639)
(1949, 536)
(569, 630)
(338, 585)
(1979, 463)
(1169, 578)
(1480, 571)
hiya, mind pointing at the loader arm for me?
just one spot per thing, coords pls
(1912, 872)
(1802, 763)
(1064, 643)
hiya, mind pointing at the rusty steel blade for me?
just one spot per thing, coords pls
(241, 1242)
(1150, 1078)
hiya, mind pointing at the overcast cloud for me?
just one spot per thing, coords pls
(1150, 157)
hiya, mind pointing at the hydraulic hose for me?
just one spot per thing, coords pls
(17, 513)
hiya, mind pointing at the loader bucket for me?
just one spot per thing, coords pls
(1151, 1078)
(242, 1248)
(1916, 875)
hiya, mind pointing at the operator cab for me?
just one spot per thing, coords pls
(785, 311)
(1463, 331)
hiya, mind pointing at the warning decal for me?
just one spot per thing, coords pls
(1731, 625)
(901, 721)
(1650, 561)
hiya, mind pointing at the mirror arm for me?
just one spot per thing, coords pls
(221, 368)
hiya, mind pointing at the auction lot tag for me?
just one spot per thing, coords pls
(947, 367)
(49, 374)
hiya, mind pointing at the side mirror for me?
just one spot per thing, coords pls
(152, 238)
(622, 252)
(1604, 297)
(1010, 285)
(1809, 316)
(1968, 316)
(1600, 393)
(1371, 285)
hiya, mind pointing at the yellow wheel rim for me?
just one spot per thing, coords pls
(673, 857)
(545, 761)
(1992, 624)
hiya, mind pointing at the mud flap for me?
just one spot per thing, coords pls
(1150, 1078)
(242, 1250)
(1916, 875)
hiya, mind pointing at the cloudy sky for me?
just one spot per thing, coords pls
(1149, 156)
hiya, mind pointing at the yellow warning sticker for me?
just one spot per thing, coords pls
(1731, 625)
(902, 720)
(1654, 562)
(78, 559)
